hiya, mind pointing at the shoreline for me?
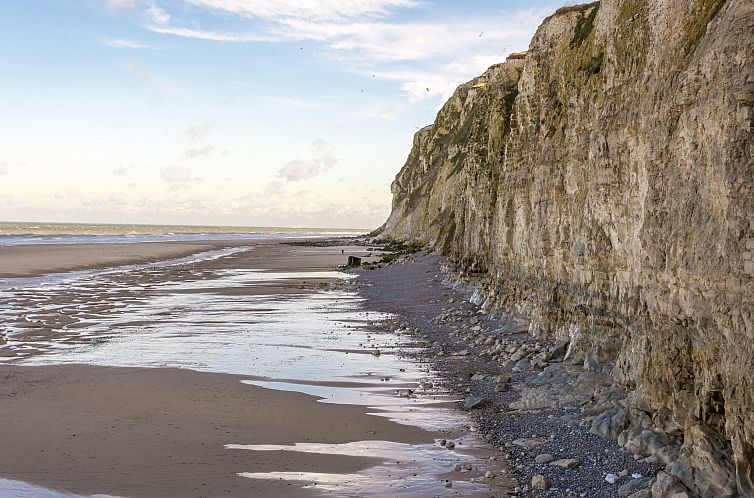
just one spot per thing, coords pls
(162, 431)
(33, 260)
(536, 409)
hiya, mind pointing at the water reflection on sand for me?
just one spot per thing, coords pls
(394, 476)
(17, 489)
(284, 330)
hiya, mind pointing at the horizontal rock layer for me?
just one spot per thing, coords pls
(604, 184)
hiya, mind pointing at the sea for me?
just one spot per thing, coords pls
(18, 233)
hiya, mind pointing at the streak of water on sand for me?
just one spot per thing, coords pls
(393, 477)
(65, 278)
(17, 489)
(147, 318)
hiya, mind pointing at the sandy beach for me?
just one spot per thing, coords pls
(161, 432)
(81, 413)
(32, 260)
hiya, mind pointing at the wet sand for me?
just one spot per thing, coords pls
(139, 432)
(33, 260)
(153, 432)
(72, 309)
(161, 432)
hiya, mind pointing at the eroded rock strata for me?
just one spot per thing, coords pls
(603, 185)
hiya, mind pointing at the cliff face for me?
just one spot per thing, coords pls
(605, 182)
(448, 188)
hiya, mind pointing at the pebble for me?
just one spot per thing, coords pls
(544, 458)
(540, 482)
(450, 445)
(473, 402)
(467, 348)
(566, 463)
(611, 478)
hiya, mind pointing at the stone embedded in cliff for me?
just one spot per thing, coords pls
(605, 181)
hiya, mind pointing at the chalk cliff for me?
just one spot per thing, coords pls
(604, 184)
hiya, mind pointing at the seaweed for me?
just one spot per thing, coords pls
(395, 248)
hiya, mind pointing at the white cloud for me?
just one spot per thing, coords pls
(299, 169)
(427, 59)
(207, 150)
(120, 4)
(273, 189)
(376, 41)
(178, 175)
(389, 42)
(197, 132)
(156, 15)
(3, 168)
(66, 195)
(439, 81)
(304, 208)
(307, 9)
(217, 36)
(121, 43)
(121, 170)
(321, 161)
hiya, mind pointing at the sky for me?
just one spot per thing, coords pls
(291, 113)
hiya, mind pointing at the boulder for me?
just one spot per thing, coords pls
(633, 486)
